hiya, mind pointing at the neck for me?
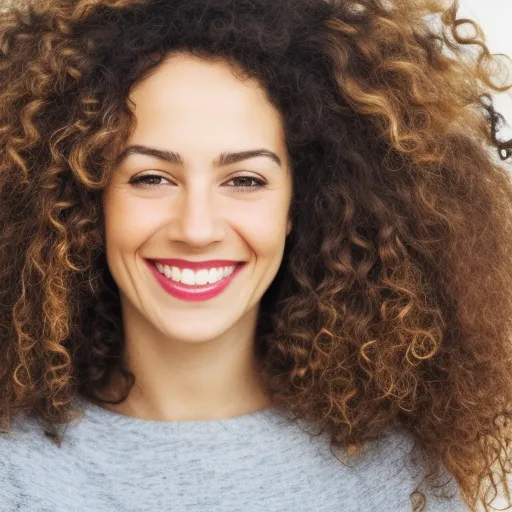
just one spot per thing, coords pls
(182, 381)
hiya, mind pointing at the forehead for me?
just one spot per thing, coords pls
(190, 97)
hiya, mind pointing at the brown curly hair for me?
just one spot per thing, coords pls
(393, 303)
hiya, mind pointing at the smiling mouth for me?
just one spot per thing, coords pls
(194, 279)
(196, 292)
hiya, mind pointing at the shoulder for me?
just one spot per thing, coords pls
(387, 474)
(17, 449)
(391, 465)
(36, 473)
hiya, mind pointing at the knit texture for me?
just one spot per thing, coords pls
(255, 462)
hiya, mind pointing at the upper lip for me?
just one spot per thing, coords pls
(196, 265)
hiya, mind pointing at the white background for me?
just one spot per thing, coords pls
(494, 16)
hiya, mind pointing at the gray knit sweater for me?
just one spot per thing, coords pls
(255, 462)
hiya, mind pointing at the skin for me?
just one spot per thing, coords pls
(195, 360)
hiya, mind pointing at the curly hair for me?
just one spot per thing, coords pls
(393, 302)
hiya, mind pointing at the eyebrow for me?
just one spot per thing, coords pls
(175, 158)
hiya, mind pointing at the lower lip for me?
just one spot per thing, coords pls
(193, 293)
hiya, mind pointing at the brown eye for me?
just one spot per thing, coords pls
(147, 180)
(243, 183)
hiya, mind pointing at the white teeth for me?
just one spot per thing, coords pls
(189, 277)
(176, 274)
(202, 276)
(213, 276)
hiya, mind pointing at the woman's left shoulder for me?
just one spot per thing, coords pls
(392, 462)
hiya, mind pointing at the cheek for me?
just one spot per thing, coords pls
(265, 235)
(128, 222)
(263, 225)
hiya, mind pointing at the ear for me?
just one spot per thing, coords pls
(289, 227)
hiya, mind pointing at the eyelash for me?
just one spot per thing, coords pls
(142, 181)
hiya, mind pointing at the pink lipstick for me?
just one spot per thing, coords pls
(194, 292)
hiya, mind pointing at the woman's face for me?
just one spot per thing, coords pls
(186, 197)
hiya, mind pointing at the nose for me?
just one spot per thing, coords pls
(195, 217)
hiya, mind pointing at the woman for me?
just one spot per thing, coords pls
(256, 256)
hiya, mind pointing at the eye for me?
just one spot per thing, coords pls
(147, 180)
(244, 183)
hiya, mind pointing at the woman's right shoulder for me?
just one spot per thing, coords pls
(20, 446)
(24, 435)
